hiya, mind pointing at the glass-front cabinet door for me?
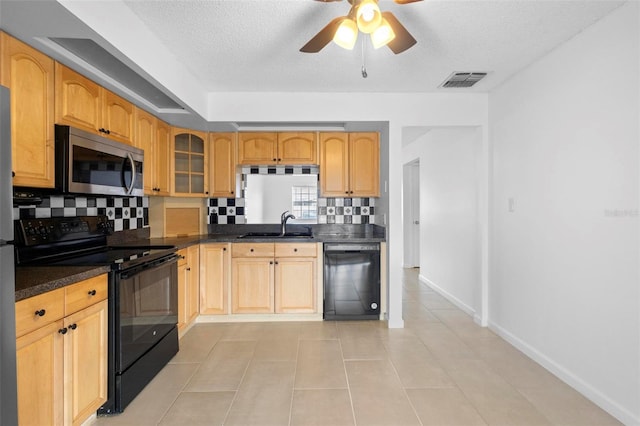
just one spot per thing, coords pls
(189, 161)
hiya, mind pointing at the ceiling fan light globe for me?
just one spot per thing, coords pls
(346, 35)
(382, 35)
(368, 16)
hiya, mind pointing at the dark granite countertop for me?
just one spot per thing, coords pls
(34, 280)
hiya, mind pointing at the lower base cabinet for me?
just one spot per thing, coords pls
(62, 354)
(273, 278)
(215, 265)
(188, 286)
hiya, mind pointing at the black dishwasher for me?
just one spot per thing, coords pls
(351, 281)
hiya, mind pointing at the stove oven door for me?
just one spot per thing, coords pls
(147, 309)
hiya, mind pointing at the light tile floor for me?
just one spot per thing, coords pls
(441, 369)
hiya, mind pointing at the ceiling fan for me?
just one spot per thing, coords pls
(364, 16)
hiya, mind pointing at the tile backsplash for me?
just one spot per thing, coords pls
(330, 210)
(126, 212)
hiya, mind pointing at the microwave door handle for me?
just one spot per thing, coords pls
(133, 173)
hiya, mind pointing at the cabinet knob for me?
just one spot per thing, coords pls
(108, 132)
(91, 292)
(251, 250)
(271, 262)
(40, 313)
(188, 269)
(295, 250)
(13, 174)
(276, 262)
(73, 326)
(63, 330)
(224, 249)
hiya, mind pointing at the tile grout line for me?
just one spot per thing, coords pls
(346, 376)
(293, 386)
(244, 373)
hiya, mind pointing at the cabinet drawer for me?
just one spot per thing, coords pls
(182, 257)
(252, 250)
(37, 311)
(296, 250)
(85, 293)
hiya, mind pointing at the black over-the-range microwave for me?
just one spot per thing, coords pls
(90, 164)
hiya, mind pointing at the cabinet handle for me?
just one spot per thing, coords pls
(91, 292)
(63, 330)
(41, 313)
(73, 326)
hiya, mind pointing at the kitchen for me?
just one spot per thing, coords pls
(407, 111)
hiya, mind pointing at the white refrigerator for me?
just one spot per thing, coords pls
(8, 382)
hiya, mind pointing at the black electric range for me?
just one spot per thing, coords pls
(143, 295)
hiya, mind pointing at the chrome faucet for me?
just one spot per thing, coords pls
(283, 221)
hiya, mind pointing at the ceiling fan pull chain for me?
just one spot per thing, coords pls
(364, 68)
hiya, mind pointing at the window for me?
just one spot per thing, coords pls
(304, 202)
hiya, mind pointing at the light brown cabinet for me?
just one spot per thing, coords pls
(82, 103)
(222, 165)
(215, 268)
(189, 163)
(62, 354)
(349, 164)
(154, 137)
(285, 148)
(268, 278)
(188, 286)
(30, 77)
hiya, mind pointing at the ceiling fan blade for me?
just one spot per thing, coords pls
(397, 1)
(323, 38)
(403, 40)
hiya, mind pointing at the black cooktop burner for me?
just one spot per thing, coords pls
(117, 257)
(78, 241)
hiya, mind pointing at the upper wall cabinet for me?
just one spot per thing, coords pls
(296, 148)
(146, 140)
(222, 165)
(162, 159)
(349, 164)
(84, 104)
(285, 148)
(190, 163)
(257, 148)
(30, 77)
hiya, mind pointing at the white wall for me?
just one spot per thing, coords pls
(449, 232)
(565, 264)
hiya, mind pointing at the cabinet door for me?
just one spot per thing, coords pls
(214, 279)
(78, 100)
(222, 165)
(30, 77)
(146, 140)
(193, 285)
(257, 148)
(162, 161)
(189, 163)
(39, 360)
(85, 362)
(295, 148)
(364, 165)
(118, 117)
(334, 164)
(183, 280)
(295, 285)
(252, 286)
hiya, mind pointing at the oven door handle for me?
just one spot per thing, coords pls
(145, 267)
(133, 173)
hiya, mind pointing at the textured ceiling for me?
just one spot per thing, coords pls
(253, 45)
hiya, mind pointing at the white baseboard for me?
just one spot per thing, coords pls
(589, 392)
(450, 297)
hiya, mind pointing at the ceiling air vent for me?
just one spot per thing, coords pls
(463, 79)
